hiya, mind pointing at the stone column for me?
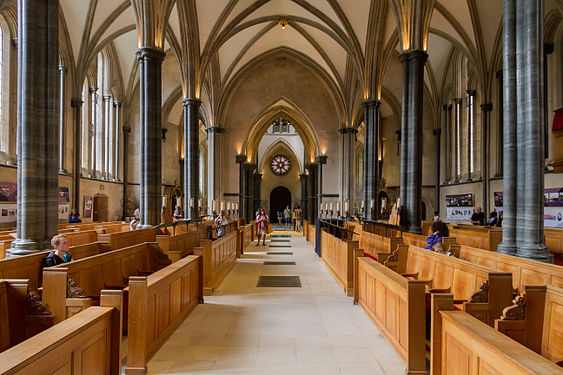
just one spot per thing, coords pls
(150, 71)
(371, 154)
(106, 136)
(62, 71)
(500, 131)
(349, 141)
(117, 106)
(213, 161)
(249, 196)
(508, 245)
(38, 164)
(126, 131)
(457, 138)
(191, 163)
(94, 127)
(321, 159)
(413, 202)
(303, 178)
(257, 191)
(404, 58)
(485, 114)
(312, 211)
(241, 160)
(470, 135)
(532, 71)
(437, 133)
(76, 105)
(447, 117)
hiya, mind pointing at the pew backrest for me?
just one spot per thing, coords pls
(125, 239)
(486, 238)
(177, 247)
(82, 237)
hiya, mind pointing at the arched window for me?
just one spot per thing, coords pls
(86, 128)
(6, 132)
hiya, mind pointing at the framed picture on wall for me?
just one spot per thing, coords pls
(88, 207)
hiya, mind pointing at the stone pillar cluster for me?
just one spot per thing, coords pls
(117, 106)
(76, 105)
(348, 155)
(191, 160)
(38, 125)
(523, 70)
(312, 210)
(241, 160)
(411, 128)
(303, 177)
(371, 157)
(321, 159)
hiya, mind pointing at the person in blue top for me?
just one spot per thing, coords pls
(74, 216)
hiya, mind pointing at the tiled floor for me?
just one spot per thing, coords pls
(247, 330)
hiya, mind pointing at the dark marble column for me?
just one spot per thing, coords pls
(126, 131)
(150, 72)
(447, 135)
(371, 156)
(303, 178)
(257, 191)
(348, 141)
(117, 106)
(213, 159)
(106, 136)
(62, 72)
(241, 160)
(76, 105)
(404, 58)
(457, 139)
(500, 131)
(191, 163)
(94, 129)
(532, 70)
(321, 159)
(312, 211)
(485, 118)
(38, 128)
(437, 133)
(413, 201)
(249, 195)
(508, 245)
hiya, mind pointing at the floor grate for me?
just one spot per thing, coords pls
(279, 245)
(279, 240)
(273, 263)
(280, 253)
(280, 235)
(278, 282)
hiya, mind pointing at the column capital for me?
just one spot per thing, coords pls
(371, 103)
(471, 92)
(447, 106)
(126, 129)
(348, 130)
(437, 131)
(117, 103)
(321, 159)
(146, 53)
(191, 102)
(107, 98)
(414, 55)
(240, 158)
(76, 103)
(457, 100)
(62, 69)
(303, 175)
(486, 107)
(214, 129)
(93, 89)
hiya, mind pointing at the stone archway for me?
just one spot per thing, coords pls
(280, 198)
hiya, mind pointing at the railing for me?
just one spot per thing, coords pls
(387, 226)
(336, 230)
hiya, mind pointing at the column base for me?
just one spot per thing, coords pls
(63, 171)
(116, 180)
(144, 226)
(508, 249)
(538, 252)
(415, 229)
(24, 247)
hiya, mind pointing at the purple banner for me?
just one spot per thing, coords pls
(459, 200)
(64, 196)
(8, 192)
(87, 207)
(552, 197)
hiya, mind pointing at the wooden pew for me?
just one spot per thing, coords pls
(462, 345)
(71, 287)
(382, 229)
(244, 238)
(524, 271)
(484, 291)
(419, 240)
(486, 238)
(80, 238)
(374, 244)
(534, 320)
(554, 241)
(219, 257)
(88, 343)
(158, 304)
(338, 256)
(177, 247)
(125, 239)
(110, 228)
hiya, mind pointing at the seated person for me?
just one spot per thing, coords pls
(178, 215)
(493, 219)
(74, 216)
(60, 253)
(134, 223)
(220, 222)
(439, 230)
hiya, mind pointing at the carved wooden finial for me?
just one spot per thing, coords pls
(394, 257)
(34, 304)
(72, 290)
(481, 296)
(518, 309)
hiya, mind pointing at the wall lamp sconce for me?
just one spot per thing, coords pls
(164, 131)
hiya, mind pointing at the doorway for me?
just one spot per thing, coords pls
(280, 198)
(100, 208)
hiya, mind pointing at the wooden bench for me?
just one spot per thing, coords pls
(382, 229)
(110, 228)
(88, 343)
(158, 304)
(419, 240)
(244, 238)
(374, 244)
(554, 241)
(462, 345)
(534, 320)
(524, 271)
(483, 291)
(125, 239)
(338, 256)
(80, 238)
(71, 287)
(219, 257)
(486, 238)
(179, 246)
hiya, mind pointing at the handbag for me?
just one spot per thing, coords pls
(270, 230)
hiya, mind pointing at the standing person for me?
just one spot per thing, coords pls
(287, 216)
(298, 215)
(60, 253)
(279, 217)
(478, 217)
(137, 213)
(262, 222)
(74, 216)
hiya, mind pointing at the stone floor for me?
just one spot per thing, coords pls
(243, 329)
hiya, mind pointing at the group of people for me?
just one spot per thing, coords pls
(478, 218)
(290, 217)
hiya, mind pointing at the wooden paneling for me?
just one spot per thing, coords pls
(486, 238)
(219, 257)
(158, 304)
(120, 240)
(374, 244)
(179, 246)
(80, 238)
(338, 256)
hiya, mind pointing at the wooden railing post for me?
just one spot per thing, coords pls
(137, 321)
(114, 298)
